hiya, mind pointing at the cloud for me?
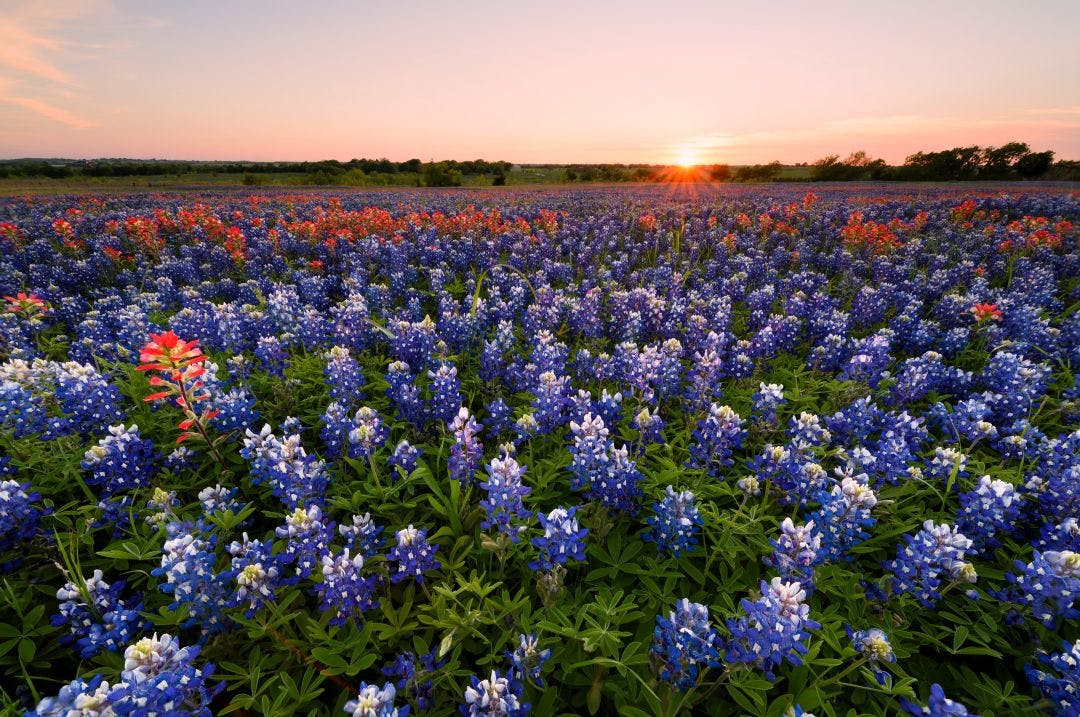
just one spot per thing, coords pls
(44, 109)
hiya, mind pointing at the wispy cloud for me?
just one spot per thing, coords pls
(57, 114)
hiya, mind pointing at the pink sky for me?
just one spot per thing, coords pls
(555, 81)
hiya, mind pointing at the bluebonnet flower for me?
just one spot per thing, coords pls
(405, 456)
(445, 393)
(308, 538)
(525, 427)
(296, 478)
(218, 499)
(609, 407)
(291, 425)
(938, 706)
(563, 539)
(683, 643)
(362, 536)
(1062, 689)
(20, 511)
(375, 702)
(715, 438)
(345, 590)
(498, 418)
(368, 433)
(676, 523)
(180, 458)
(404, 393)
(160, 679)
(795, 552)
(467, 452)
(22, 413)
(873, 644)
(99, 617)
(1060, 536)
(121, 461)
(590, 451)
(504, 506)
(650, 427)
(494, 697)
(79, 697)
(843, 518)
(236, 410)
(1049, 585)
(412, 556)
(89, 402)
(528, 659)
(774, 628)
(944, 462)
(934, 551)
(551, 401)
(336, 427)
(749, 485)
(766, 400)
(986, 512)
(271, 356)
(806, 429)
(414, 676)
(344, 376)
(257, 573)
(1014, 386)
(188, 565)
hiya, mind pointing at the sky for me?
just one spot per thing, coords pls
(532, 82)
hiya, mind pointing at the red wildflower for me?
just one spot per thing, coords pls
(985, 312)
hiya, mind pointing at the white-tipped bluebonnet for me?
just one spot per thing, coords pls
(920, 563)
(295, 477)
(495, 696)
(807, 429)
(774, 628)
(363, 535)
(684, 643)
(404, 393)
(368, 433)
(938, 705)
(20, 511)
(766, 400)
(467, 453)
(873, 644)
(218, 499)
(505, 491)
(99, 617)
(308, 538)
(414, 676)
(345, 591)
(344, 376)
(272, 356)
(650, 427)
(715, 439)
(256, 573)
(188, 563)
(1049, 586)
(498, 418)
(159, 678)
(412, 556)
(590, 451)
(563, 539)
(795, 552)
(236, 410)
(82, 698)
(843, 518)
(445, 393)
(550, 402)
(404, 457)
(120, 461)
(675, 524)
(1061, 689)
(528, 659)
(944, 462)
(373, 701)
(988, 511)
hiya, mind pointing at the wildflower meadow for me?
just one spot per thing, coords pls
(647, 451)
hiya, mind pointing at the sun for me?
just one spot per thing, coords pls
(687, 158)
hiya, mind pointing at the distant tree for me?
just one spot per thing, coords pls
(440, 174)
(759, 172)
(1034, 164)
(719, 173)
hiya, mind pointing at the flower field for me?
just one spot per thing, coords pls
(619, 451)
